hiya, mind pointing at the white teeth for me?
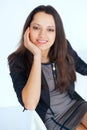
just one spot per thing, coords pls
(42, 41)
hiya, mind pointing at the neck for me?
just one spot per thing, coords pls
(44, 58)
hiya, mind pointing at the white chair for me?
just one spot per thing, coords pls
(37, 123)
(13, 118)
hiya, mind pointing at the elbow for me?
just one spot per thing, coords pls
(29, 107)
(29, 104)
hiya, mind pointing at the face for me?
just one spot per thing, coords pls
(43, 31)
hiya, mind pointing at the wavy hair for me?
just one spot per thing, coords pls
(58, 52)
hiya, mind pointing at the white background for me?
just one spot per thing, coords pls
(13, 14)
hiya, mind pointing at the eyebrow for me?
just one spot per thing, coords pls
(40, 25)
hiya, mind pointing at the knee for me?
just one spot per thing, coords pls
(81, 127)
(84, 120)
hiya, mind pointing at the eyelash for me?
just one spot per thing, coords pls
(38, 28)
(50, 30)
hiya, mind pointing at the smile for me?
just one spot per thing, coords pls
(42, 41)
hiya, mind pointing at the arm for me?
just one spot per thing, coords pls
(32, 89)
(80, 65)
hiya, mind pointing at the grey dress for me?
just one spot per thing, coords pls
(68, 113)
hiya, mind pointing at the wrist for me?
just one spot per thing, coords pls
(37, 57)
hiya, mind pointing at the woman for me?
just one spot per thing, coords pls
(43, 71)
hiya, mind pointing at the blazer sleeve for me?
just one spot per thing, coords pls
(80, 65)
(19, 79)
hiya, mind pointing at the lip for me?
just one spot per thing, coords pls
(40, 41)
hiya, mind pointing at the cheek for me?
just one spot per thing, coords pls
(32, 37)
(52, 38)
(33, 34)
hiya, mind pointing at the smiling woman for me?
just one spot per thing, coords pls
(42, 31)
(43, 70)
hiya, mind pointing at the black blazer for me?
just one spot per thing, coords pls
(19, 79)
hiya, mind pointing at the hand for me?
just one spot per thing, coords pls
(29, 45)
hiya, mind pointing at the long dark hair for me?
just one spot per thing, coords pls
(58, 52)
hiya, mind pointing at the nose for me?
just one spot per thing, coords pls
(42, 33)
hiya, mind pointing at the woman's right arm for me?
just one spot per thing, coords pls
(32, 89)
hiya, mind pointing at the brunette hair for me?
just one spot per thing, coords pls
(58, 52)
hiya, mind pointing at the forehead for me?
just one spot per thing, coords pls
(43, 18)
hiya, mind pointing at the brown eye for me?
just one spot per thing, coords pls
(36, 28)
(51, 30)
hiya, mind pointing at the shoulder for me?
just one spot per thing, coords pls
(71, 51)
(69, 46)
(16, 61)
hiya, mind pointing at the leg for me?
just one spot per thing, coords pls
(81, 127)
(84, 120)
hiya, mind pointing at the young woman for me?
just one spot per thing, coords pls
(43, 71)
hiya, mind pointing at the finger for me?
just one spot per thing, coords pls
(26, 38)
(26, 32)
